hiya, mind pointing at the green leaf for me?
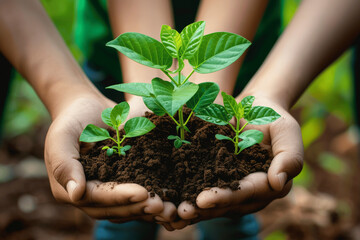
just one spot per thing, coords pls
(138, 89)
(119, 114)
(138, 126)
(205, 95)
(249, 138)
(215, 113)
(191, 37)
(109, 152)
(92, 133)
(105, 116)
(223, 137)
(154, 105)
(172, 99)
(259, 115)
(247, 102)
(177, 143)
(142, 49)
(232, 106)
(105, 147)
(173, 137)
(126, 148)
(171, 40)
(186, 142)
(217, 51)
(187, 129)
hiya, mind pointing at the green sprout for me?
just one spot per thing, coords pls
(222, 115)
(205, 54)
(114, 117)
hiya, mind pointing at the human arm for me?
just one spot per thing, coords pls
(240, 17)
(34, 47)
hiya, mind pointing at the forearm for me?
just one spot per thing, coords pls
(144, 17)
(240, 17)
(320, 31)
(35, 48)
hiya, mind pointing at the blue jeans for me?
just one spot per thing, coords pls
(244, 228)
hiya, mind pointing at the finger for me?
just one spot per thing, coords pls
(151, 205)
(167, 226)
(262, 190)
(187, 211)
(288, 152)
(61, 154)
(219, 197)
(168, 214)
(180, 224)
(112, 194)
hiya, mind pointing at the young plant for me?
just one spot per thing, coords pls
(114, 117)
(205, 54)
(222, 115)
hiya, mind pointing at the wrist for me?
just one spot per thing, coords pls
(266, 95)
(58, 101)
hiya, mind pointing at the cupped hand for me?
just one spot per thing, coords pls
(122, 202)
(258, 189)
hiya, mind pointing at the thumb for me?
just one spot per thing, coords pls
(65, 172)
(70, 175)
(288, 152)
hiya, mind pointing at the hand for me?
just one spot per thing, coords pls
(257, 190)
(124, 202)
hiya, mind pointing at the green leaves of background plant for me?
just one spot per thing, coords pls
(259, 115)
(217, 51)
(142, 49)
(138, 126)
(92, 133)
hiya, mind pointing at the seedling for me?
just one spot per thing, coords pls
(222, 115)
(205, 54)
(114, 117)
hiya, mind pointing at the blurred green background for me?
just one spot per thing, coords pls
(329, 100)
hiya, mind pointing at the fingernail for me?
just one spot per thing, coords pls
(282, 179)
(70, 188)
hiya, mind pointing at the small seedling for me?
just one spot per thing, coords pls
(222, 115)
(205, 54)
(114, 117)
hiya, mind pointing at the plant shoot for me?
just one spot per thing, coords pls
(205, 54)
(114, 117)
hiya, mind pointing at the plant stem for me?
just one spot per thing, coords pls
(181, 120)
(187, 77)
(118, 139)
(171, 78)
(243, 126)
(187, 120)
(237, 136)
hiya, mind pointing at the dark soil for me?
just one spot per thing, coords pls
(154, 163)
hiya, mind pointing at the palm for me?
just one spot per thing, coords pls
(257, 190)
